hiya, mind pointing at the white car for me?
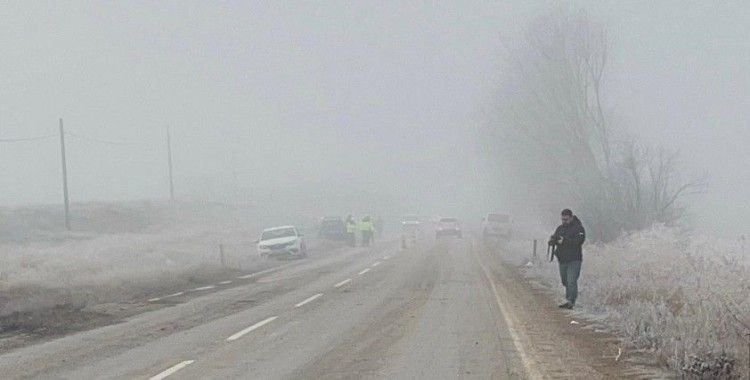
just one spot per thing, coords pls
(448, 227)
(284, 240)
(411, 220)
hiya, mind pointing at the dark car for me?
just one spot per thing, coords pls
(333, 228)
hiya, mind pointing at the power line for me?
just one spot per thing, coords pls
(102, 141)
(26, 139)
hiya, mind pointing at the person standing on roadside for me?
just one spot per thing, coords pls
(567, 242)
(368, 230)
(351, 231)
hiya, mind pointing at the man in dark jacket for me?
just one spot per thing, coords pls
(567, 241)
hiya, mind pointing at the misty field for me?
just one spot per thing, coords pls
(680, 296)
(117, 252)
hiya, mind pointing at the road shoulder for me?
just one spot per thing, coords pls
(557, 343)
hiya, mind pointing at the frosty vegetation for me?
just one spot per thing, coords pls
(679, 295)
(119, 253)
(670, 292)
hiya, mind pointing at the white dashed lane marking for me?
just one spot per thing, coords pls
(305, 302)
(269, 270)
(203, 288)
(256, 326)
(169, 296)
(172, 370)
(342, 283)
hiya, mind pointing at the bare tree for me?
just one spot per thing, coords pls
(666, 187)
(553, 134)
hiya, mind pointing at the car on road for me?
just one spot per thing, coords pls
(282, 241)
(409, 235)
(496, 227)
(412, 219)
(332, 228)
(448, 227)
(411, 228)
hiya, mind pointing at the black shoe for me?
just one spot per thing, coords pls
(566, 305)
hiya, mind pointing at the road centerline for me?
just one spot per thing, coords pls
(169, 296)
(364, 271)
(256, 326)
(171, 370)
(305, 302)
(209, 287)
(375, 264)
(342, 283)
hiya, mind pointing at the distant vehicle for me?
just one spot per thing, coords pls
(284, 240)
(333, 228)
(496, 227)
(409, 234)
(448, 227)
(411, 219)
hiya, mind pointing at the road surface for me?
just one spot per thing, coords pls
(446, 309)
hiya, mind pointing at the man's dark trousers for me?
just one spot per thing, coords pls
(569, 272)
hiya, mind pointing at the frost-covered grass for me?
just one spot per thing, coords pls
(117, 252)
(681, 296)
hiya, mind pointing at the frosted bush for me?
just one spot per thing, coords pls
(172, 246)
(666, 290)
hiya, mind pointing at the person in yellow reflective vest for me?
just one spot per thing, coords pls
(351, 231)
(367, 228)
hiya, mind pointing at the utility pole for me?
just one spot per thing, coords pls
(169, 160)
(65, 176)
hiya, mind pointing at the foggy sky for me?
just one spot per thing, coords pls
(375, 95)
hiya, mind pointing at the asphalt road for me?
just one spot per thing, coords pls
(442, 310)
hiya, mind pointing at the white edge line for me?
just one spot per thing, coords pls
(342, 283)
(531, 371)
(172, 370)
(225, 283)
(305, 302)
(364, 271)
(154, 299)
(375, 264)
(260, 324)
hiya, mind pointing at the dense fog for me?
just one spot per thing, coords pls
(379, 103)
(474, 122)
